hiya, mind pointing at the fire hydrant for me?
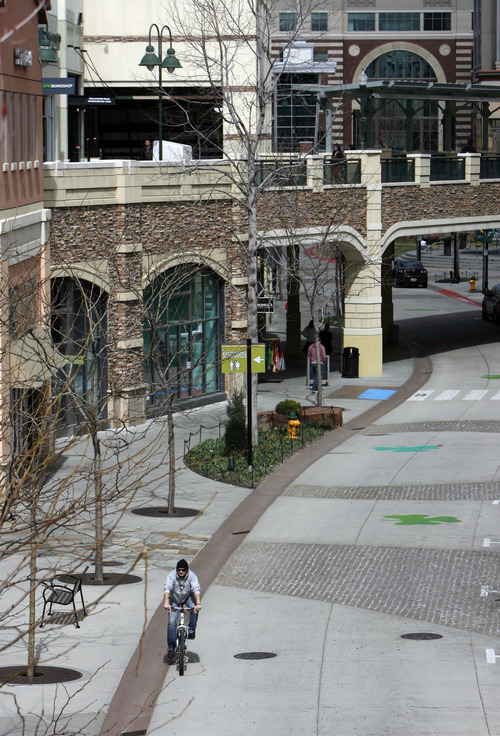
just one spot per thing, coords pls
(293, 425)
(472, 283)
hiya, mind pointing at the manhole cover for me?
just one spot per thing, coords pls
(43, 675)
(163, 511)
(110, 578)
(421, 636)
(255, 655)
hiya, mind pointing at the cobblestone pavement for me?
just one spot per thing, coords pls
(489, 490)
(443, 587)
(468, 425)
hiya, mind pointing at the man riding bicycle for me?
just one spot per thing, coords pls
(181, 587)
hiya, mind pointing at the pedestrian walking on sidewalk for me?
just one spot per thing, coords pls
(314, 363)
(181, 587)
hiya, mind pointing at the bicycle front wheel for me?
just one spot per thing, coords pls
(181, 651)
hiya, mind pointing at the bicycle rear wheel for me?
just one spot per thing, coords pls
(181, 651)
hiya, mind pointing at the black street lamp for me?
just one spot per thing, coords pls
(362, 80)
(170, 63)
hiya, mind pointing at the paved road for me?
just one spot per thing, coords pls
(383, 536)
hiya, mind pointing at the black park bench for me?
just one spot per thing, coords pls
(57, 594)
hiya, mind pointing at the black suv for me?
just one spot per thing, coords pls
(409, 273)
(491, 304)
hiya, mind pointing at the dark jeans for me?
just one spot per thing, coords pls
(172, 621)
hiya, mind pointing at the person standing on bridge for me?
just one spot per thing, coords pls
(181, 587)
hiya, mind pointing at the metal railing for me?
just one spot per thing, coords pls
(490, 167)
(397, 170)
(447, 169)
(281, 173)
(342, 171)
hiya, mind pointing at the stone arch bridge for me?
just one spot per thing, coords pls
(125, 221)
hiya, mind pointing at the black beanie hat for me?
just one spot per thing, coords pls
(182, 565)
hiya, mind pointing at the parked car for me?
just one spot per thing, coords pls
(491, 304)
(408, 272)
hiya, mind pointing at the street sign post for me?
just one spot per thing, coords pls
(234, 358)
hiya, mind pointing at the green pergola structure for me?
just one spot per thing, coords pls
(373, 95)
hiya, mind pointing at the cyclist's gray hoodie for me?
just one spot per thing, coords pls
(179, 589)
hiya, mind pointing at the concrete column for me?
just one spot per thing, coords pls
(422, 168)
(363, 297)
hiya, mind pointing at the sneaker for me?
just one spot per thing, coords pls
(170, 654)
(191, 635)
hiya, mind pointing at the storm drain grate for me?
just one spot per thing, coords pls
(421, 636)
(255, 655)
(134, 733)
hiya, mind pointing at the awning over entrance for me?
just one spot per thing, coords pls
(33, 359)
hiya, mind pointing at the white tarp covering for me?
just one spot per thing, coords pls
(175, 152)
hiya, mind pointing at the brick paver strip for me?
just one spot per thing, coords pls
(481, 491)
(439, 586)
(142, 681)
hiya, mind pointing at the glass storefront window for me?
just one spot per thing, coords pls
(182, 336)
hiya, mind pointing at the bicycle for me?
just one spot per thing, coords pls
(181, 636)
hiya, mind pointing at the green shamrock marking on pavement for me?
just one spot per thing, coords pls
(402, 448)
(422, 519)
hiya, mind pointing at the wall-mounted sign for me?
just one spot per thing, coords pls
(58, 86)
(85, 101)
(23, 57)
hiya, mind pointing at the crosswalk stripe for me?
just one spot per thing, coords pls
(475, 395)
(451, 393)
(447, 395)
(420, 395)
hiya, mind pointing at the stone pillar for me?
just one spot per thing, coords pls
(363, 300)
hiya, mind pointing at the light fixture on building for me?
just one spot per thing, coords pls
(152, 61)
(45, 52)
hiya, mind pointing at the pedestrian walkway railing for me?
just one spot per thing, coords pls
(282, 173)
(342, 171)
(447, 169)
(490, 167)
(396, 170)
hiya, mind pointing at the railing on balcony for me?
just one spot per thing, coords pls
(282, 173)
(447, 169)
(490, 167)
(342, 171)
(397, 170)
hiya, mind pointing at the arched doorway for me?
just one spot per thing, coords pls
(79, 331)
(392, 118)
(182, 335)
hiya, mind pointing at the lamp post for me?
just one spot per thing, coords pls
(362, 80)
(170, 63)
(45, 53)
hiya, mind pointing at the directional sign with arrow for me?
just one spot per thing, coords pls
(234, 358)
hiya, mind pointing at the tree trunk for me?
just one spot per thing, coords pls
(99, 535)
(171, 461)
(32, 598)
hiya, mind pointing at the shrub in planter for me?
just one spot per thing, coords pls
(288, 405)
(235, 436)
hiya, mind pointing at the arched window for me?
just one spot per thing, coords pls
(78, 325)
(392, 118)
(182, 335)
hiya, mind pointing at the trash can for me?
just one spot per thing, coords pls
(350, 363)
